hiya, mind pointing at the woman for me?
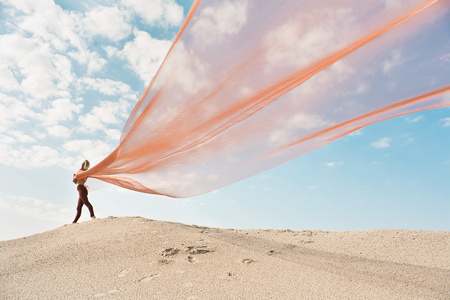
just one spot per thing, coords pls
(82, 191)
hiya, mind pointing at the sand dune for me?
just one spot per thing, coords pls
(137, 258)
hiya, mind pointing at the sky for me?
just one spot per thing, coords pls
(70, 74)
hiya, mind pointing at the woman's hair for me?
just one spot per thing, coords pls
(85, 165)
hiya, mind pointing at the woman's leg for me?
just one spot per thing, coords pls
(84, 197)
(79, 208)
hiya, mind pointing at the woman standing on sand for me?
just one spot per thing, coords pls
(82, 191)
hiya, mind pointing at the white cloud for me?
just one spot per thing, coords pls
(109, 22)
(110, 51)
(183, 71)
(106, 87)
(113, 134)
(4, 204)
(36, 58)
(29, 157)
(394, 61)
(39, 134)
(445, 57)
(106, 113)
(393, 4)
(413, 120)
(13, 112)
(22, 137)
(58, 131)
(7, 140)
(14, 47)
(157, 12)
(333, 163)
(362, 87)
(77, 145)
(35, 202)
(53, 25)
(291, 44)
(61, 30)
(291, 127)
(94, 150)
(60, 110)
(37, 69)
(216, 23)
(92, 60)
(446, 122)
(356, 132)
(29, 6)
(145, 54)
(305, 121)
(384, 142)
(63, 68)
(34, 208)
(8, 82)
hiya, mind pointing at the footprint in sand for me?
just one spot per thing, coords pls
(192, 259)
(164, 261)
(194, 250)
(170, 252)
(123, 273)
(145, 279)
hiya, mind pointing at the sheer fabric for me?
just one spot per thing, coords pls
(251, 84)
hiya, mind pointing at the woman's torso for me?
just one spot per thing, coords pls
(80, 181)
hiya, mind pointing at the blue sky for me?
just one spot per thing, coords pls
(70, 74)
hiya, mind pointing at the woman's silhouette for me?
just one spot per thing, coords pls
(82, 191)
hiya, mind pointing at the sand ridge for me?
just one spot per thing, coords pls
(137, 258)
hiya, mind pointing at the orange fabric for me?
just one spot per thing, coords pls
(250, 84)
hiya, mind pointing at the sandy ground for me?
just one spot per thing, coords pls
(137, 258)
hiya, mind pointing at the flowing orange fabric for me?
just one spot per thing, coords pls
(250, 84)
